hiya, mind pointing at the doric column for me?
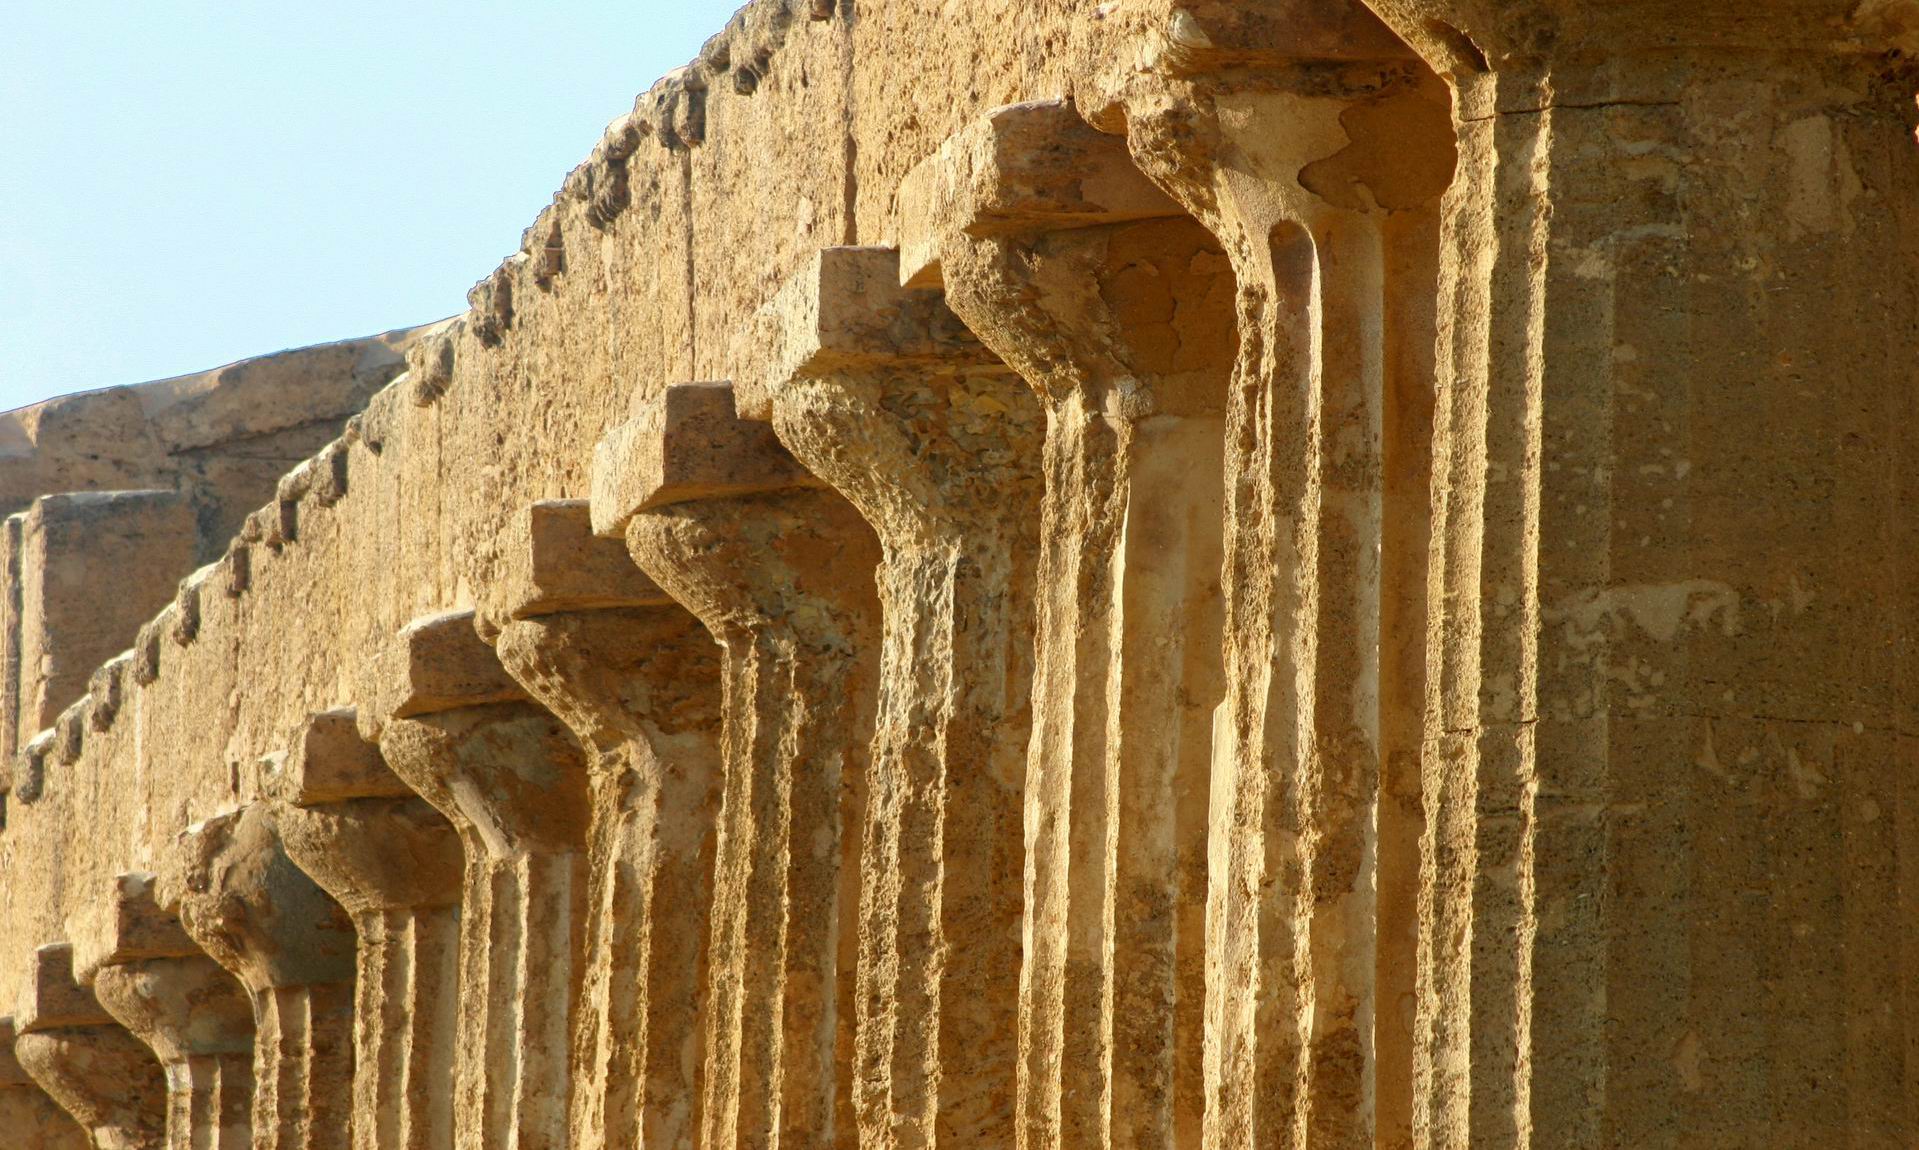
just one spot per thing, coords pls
(195, 1016)
(1668, 895)
(394, 864)
(636, 678)
(100, 1074)
(883, 393)
(510, 778)
(29, 1115)
(1118, 309)
(780, 572)
(259, 916)
(1311, 143)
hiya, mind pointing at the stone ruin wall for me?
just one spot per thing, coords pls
(1219, 644)
(112, 496)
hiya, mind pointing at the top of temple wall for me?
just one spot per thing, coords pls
(155, 434)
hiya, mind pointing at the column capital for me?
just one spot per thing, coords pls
(593, 637)
(86, 1060)
(248, 906)
(436, 663)
(845, 313)
(12, 1074)
(1073, 266)
(193, 1015)
(887, 395)
(735, 547)
(1159, 49)
(1019, 170)
(148, 974)
(355, 826)
(463, 733)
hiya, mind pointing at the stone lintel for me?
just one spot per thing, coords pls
(127, 924)
(846, 311)
(440, 663)
(554, 563)
(330, 762)
(688, 444)
(1019, 169)
(53, 999)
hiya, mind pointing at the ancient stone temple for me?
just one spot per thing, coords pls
(1160, 574)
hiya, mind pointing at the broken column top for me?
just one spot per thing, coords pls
(689, 443)
(439, 663)
(125, 924)
(53, 999)
(553, 562)
(846, 311)
(251, 908)
(1020, 168)
(329, 762)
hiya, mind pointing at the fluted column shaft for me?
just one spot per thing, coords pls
(937, 447)
(636, 678)
(1318, 171)
(1117, 310)
(394, 864)
(292, 947)
(512, 781)
(780, 581)
(1674, 608)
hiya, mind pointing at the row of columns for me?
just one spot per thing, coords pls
(1139, 668)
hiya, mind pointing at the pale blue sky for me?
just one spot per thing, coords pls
(183, 184)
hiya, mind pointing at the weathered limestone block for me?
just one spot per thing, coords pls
(510, 778)
(1310, 142)
(636, 678)
(1666, 901)
(1118, 309)
(91, 568)
(782, 579)
(885, 395)
(394, 863)
(100, 1074)
(258, 915)
(31, 1118)
(195, 1017)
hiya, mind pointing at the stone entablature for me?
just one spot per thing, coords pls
(1234, 574)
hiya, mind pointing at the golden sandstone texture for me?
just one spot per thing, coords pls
(1153, 574)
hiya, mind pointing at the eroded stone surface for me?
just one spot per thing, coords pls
(242, 899)
(782, 581)
(394, 864)
(513, 782)
(195, 1017)
(33, 1120)
(636, 678)
(101, 1075)
(1467, 638)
